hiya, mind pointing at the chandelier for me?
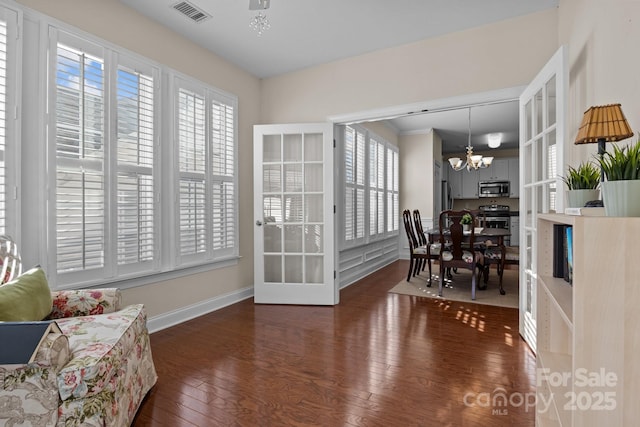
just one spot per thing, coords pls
(473, 161)
(260, 23)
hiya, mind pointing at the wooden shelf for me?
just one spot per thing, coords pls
(556, 413)
(561, 294)
(591, 325)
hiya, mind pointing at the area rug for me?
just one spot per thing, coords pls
(459, 288)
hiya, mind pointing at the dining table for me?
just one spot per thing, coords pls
(484, 237)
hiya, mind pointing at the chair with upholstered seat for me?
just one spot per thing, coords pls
(418, 254)
(433, 249)
(494, 255)
(458, 249)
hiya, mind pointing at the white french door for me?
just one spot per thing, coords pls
(294, 214)
(542, 147)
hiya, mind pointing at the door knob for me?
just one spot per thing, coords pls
(258, 223)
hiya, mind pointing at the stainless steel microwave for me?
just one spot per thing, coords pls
(493, 189)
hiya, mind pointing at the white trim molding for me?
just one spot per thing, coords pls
(175, 317)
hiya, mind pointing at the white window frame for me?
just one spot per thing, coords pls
(166, 262)
(145, 68)
(210, 96)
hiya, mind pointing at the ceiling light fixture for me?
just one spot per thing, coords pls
(260, 23)
(473, 161)
(495, 139)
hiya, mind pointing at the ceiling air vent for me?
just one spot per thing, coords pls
(191, 11)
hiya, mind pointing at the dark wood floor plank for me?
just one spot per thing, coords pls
(376, 359)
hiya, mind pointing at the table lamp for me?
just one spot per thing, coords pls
(602, 124)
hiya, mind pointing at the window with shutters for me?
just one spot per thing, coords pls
(354, 164)
(106, 204)
(371, 187)
(392, 191)
(205, 122)
(80, 205)
(376, 188)
(136, 209)
(108, 200)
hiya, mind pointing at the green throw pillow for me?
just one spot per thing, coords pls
(26, 298)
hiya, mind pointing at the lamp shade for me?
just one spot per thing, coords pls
(603, 123)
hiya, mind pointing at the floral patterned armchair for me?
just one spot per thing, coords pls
(95, 374)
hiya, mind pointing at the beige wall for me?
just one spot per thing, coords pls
(118, 24)
(602, 39)
(389, 134)
(417, 154)
(503, 55)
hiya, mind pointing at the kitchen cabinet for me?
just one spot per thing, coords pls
(514, 177)
(498, 171)
(469, 184)
(455, 181)
(587, 333)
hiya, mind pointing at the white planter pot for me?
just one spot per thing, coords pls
(621, 198)
(578, 198)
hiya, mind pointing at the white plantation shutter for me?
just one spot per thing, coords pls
(106, 205)
(136, 204)
(9, 123)
(376, 187)
(192, 172)
(354, 154)
(223, 171)
(3, 126)
(79, 142)
(206, 129)
(360, 184)
(349, 174)
(392, 190)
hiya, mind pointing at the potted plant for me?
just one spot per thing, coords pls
(621, 190)
(466, 222)
(582, 184)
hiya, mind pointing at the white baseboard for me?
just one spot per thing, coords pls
(172, 318)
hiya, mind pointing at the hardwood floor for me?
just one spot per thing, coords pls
(376, 359)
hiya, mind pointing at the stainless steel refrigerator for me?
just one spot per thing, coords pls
(446, 201)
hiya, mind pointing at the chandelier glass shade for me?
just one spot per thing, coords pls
(472, 161)
(260, 23)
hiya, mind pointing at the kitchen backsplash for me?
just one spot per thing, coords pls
(474, 203)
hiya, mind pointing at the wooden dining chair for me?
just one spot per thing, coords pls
(500, 256)
(418, 254)
(433, 249)
(458, 249)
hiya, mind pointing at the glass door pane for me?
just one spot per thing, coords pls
(295, 217)
(541, 128)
